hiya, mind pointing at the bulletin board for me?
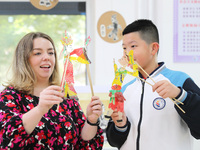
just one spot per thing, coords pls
(186, 30)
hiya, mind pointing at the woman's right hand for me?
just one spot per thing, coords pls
(48, 97)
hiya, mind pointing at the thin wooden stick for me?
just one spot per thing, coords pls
(144, 71)
(63, 78)
(90, 79)
(152, 85)
(173, 99)
(144, 80)
(64, 73)
(178, 106)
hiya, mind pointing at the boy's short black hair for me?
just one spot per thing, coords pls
(146, 28)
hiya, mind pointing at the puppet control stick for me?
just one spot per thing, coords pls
(173, 100)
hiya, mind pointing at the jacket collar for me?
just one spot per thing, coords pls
(161, 66)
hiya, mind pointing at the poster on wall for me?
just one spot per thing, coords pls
(187, 31)
(110, 26)
(44, 4)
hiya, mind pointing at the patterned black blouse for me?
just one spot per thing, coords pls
(55, 131)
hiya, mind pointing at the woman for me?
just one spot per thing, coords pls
(28, 104)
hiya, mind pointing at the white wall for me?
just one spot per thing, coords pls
(104, 51)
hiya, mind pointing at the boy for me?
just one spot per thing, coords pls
(151, 121)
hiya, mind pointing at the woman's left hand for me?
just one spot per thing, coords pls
(94, 109)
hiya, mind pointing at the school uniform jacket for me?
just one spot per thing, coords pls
(155, 123)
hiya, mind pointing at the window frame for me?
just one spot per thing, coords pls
(64, 7)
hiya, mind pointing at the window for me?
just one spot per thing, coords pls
(20, 18)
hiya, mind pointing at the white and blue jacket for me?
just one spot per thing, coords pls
(155, 123)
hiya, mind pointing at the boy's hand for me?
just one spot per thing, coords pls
(115, 117)
(166, 89)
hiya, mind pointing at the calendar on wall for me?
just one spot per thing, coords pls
(187, 31)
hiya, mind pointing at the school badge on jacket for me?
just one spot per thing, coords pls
(159, 103)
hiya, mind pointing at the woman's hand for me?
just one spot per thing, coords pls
(48, 97)
(94, 109)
